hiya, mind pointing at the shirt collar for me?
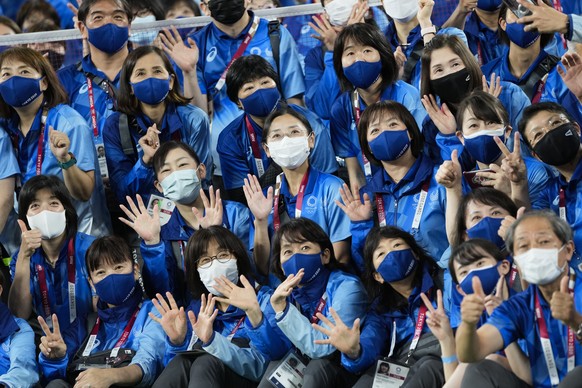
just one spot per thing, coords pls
(311, 180)
(170, 121)
(509, 77)
(89, 67)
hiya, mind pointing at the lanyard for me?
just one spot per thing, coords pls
(562, 204)
(417, 330)
(120, 341)
(357, 115)
(298, 204)
(319, 308)
(233, 332)
(479, 53)
(255, 147)
(380, 209)
(512, 275)
(182, 245)
(92, 107)
(40, 272)
(538, 93)
(558, 6)
(241, 49)
(546, 343)
(40, 150)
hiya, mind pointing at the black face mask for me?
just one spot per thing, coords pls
(452, 88)
(227, 11)
(559, 146)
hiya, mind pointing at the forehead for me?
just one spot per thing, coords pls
(13, 63)
(106, 6)
(534, 226)
(384, 115)
(177, 153)
(149, 60)
(442, 55)
(286, 121)
(540, 119)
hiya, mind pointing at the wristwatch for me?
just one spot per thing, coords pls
(68, 164)
(428, 30)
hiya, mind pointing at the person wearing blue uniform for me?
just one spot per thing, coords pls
(120, 344)
(300, 190)
(367, 72)
(404, 283)
(179, 173)
(554, 137)
(449, 74)
(151, 111)
(48, 272)
(403, 188)
(253, 85)
(9, 171)
(314, 289)
(50, 137)
(219, 43)
(17, 349)
(217, 347)
(546, 315)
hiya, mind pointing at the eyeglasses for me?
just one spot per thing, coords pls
(538, 132)
(206, 261)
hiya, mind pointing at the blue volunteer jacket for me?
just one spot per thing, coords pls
(216, 51)
(10, 235)
(400, 203)
(17, 349)
(376, 333)
(414, 37)
(247, 361)
(163, 271)
(128, 174)
(146, 339)
(57, 280)
(322, 85)
(484, 43)
(93, 215)
(236, 155)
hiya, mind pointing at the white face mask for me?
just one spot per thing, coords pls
(339, 11)
(290, 152)
(50, 224)
(401, 10)
(182, 186)
(539, 266)
(216, 270)
(488, 132)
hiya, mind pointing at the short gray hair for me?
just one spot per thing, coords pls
(560, 227)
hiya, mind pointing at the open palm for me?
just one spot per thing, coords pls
(173, 319)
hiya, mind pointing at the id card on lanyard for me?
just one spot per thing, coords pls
(546, 341)
(290, 372)
(44, 293)
(381, 210)
(298, 204)
(99, 146)
(357, 116)
(120, 342)
(255, 146)
(562, 204)
(41, 138)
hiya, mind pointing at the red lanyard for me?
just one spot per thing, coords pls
(562, 204)
(479, 53)
(40, 150)
(357, 116)
(241, 49)
(92, 107)
(255, 147)
(381, 210)
(233, 332)
(40, 272)
(417, 330)
(546, 343)
(512, 275)
(319, 308)
(538, 93)
(298, 204)
(120, 341)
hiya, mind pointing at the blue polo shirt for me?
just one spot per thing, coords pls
(236, 155)
(57, 281)
(484, 43)
(216, 51)
(515, 319)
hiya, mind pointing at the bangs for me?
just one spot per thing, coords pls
(108, 250)
(19, 54)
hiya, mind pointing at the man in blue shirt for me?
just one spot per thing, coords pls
(218, 44)
(546, 315)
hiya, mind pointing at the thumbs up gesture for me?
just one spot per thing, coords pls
(473, 305)
(450, 173)
(30, 240)
(59, 143)
(562, 306)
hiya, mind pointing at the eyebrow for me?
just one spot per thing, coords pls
(555, 116)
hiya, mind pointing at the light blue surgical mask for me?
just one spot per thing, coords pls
(182, 186)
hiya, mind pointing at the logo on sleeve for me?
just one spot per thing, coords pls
(211, 54)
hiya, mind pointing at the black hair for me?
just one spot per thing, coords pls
(366, 35)
(6, 21)
(471, 251)
(247, 69)
(282, 111)
(387, 298)
(108, 250)
(483, 195)
(153, 6)
(57, 187)
(169, 4)
(31, 7)
(198, 246)
(532, 110)
(298, 230)
(484, 106)
(162, 153)
(86, 6)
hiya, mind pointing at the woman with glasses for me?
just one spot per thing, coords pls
(216, 345)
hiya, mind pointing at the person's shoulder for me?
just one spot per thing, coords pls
(344, 279)
(85, 238)
(232, 129)
(68, 72)
(329, 181)
(64, 112)
(191, 112)
(491, 66)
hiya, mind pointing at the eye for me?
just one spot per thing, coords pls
(266, 82)
(33, 206)
(393, 124)
(55, 203)
(99, 272)
(275, 136)
(24, 71)
(490, 123)
(479, 263)
(544, 242)
(476, 218)
(472, 126)
(496, 213)
(462, 274)
(305, 247)
(139, 73)
(157, 71)
(164, 170)
(287, 252)
(119, 17)
(97, 17)
(381, 254)
(374, 131)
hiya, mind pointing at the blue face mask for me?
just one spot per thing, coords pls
(152, 91)
(363, 74)
(390, 145)
(116, 288)
(311, 264)
(261, 102)
(109, 38)
(517, 35)
(482, 147)
(397, 265)
(487, 229)
(20, 91)
(489, 277)
(489, 5)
